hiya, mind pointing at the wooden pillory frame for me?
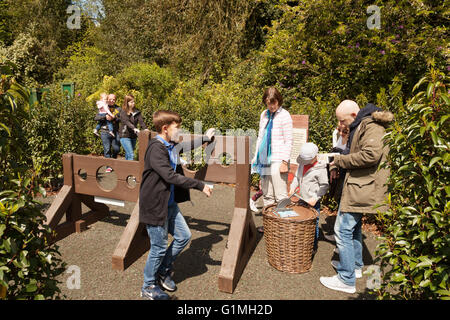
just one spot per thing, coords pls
(82, 188)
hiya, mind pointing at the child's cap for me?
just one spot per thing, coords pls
(308, 151)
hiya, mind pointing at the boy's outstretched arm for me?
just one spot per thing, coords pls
(197, 142)
(160, 163)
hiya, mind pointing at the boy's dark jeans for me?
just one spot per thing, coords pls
(160, 258)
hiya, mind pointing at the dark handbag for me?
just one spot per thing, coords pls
(335, 189)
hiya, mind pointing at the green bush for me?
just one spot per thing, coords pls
(415, 247)
(86, 67)
(56, 126)
(324, 47)
(28, 264)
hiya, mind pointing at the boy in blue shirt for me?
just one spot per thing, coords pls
(163, 187)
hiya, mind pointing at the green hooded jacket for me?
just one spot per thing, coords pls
(365, 182)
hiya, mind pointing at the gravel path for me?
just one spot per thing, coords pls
(197, 268)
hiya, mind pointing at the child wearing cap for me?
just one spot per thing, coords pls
(312, 179)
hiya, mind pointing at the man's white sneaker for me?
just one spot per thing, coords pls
(358, 272)
(335, 284)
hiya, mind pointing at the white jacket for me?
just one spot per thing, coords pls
(314, 184)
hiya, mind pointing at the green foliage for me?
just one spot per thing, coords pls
(45, 22)
(153, 82)
(324, 47)
(26, 53)
(28, 264)
(415, 250)
(56, 126)
(194, 38)
(86, 67)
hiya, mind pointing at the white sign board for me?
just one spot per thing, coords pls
(299, 138)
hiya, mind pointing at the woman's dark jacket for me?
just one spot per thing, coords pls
(129, 122)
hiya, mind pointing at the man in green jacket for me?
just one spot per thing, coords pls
(364, 187)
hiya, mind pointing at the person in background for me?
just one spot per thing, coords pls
(130, 117)
(111, 145)
(340, 137)
(103, 110)
(273, 148)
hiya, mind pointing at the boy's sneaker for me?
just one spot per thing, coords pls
(358, 272)
(167, 283)
(109, 170)
(335, 284)
(154, 292)
(96, 133)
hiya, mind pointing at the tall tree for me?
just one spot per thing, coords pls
(45, 23)
(193, 36)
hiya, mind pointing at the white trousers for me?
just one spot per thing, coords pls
(274, 186)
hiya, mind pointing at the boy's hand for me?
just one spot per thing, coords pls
(207, 191)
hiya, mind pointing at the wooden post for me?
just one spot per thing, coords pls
(73, 212)
(242, 237)
(133, 243)
(63, 203)
(68, 169)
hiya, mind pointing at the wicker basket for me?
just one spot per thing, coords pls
(290, 241)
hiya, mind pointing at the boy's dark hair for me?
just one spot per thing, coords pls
(165, 117)
(271, 95)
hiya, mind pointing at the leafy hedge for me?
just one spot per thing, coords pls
(56, 126)
(28, 264)
(415, 249)
(324, 47)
